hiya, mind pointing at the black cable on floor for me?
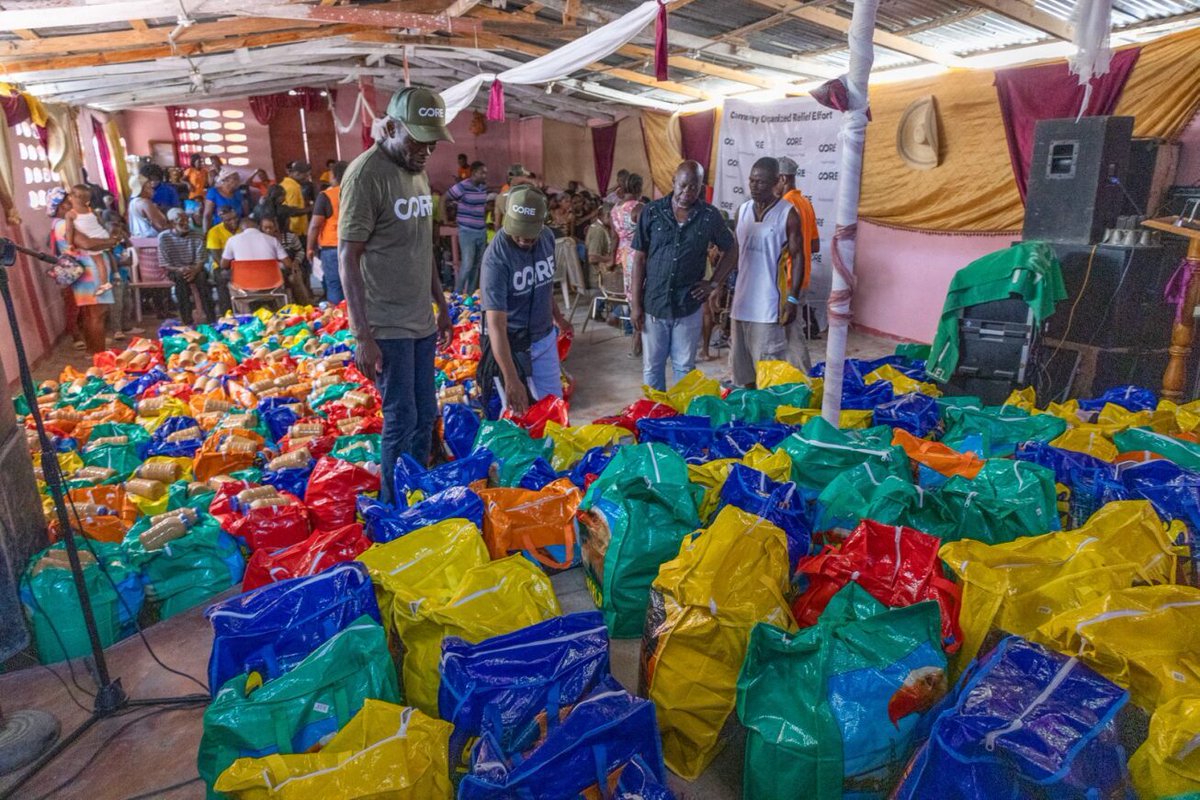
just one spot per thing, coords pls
(111, 738)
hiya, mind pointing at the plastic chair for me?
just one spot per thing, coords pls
(256, 281)
(144, 272)
(612, 295)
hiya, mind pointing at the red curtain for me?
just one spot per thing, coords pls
(1029, 94)
(696, 137)
(183, 148)
(264, 106)
(604, 149)
(106, 160)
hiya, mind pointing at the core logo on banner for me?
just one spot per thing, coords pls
(801, 129)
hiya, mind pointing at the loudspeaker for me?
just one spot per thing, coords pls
(1071, 196)
(1115, 295)
(1148, 179)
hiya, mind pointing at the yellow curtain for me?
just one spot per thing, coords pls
(661, 132)
(973, 189)
(113, 135)
(6, 180)
(62, 142)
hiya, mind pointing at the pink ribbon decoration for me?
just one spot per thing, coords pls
(1177, 287)
(660, 43)
(495, 109)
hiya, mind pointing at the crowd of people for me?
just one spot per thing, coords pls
(197, 222)
(370, 232)
(679, 260)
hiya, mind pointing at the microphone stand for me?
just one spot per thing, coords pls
(110, 695)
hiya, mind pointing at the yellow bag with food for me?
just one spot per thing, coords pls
(491, 599)
(680, 396)
(1168, 762)
(1145, 638)
(571, 443)
(712, 474)
(901, 383)
(429, 562)
(1020, 585)
(850, 418)
(703, 605)
(1090, 439)
(779, 373)
(385, 750)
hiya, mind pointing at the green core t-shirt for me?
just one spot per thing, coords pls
(391, 209)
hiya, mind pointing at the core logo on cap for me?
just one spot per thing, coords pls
(431, 111)
(524, 209)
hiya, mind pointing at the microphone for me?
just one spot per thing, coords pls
(8, 247)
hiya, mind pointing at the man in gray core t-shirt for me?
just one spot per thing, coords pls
(520, 346)
(385, 259)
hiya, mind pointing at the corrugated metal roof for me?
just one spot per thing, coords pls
(1126, 12)
(795, 36)
(988, 31)
(898, 15)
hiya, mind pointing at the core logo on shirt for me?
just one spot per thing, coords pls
(533, 275)
(417, 206)
(432, 111)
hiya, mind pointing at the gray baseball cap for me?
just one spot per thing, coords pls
(788, 166)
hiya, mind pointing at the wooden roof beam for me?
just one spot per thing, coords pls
(118, 40)
(1026, 14)
(36, 64)
(501, 42)
(801, 68)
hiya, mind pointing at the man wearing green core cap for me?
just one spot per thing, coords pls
(385, 259)
(520, 347)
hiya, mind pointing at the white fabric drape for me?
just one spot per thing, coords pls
(850, 141)
(557, 64)
(1093, 51)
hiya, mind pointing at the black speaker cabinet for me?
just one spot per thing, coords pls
(1117, 295)
(1071, 196)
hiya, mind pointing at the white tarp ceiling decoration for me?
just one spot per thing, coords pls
(559, 63)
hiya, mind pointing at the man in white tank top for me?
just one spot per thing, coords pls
(764, 303)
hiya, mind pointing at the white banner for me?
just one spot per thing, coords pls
(802, 129)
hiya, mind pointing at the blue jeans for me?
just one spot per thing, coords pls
(331, 279)
(409, 404)
(471, 244)
(547, 375)
(678, 338)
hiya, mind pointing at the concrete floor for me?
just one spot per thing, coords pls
(141, 758)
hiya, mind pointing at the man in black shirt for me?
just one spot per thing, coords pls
(668, 286)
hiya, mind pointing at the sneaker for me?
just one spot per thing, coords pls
(119, 336)
(134, 331)
(78, 345)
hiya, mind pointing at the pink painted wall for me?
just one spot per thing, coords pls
(1188, 172)
(144, 125)
(903, 276)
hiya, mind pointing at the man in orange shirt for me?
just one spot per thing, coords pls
(323, 233)
(797, 333)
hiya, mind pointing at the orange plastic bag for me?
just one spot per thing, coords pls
(531, 523)
(937, 456)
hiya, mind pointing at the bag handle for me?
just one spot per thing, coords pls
(546, 560)
(949, 587)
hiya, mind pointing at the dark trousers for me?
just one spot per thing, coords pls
(409, 404)
(183, 295)
(221, 280)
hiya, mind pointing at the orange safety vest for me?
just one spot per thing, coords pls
(329, 231)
